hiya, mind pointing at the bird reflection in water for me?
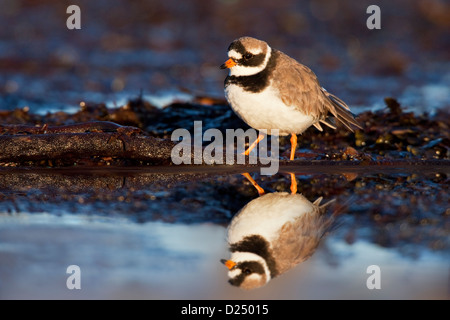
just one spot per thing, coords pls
(272, 234)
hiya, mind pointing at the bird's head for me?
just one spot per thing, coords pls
(247, 56)
(247, 270)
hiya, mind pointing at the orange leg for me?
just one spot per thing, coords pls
(253, 182)
(293, 145)
(254, 144)
(293, 184)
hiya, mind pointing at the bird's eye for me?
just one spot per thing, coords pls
(247, 271)
(248, 56)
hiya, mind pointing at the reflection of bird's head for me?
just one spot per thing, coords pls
(247, 270)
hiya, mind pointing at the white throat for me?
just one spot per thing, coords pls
(238, 70)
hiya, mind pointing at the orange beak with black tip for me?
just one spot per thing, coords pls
(228, 263)
(230, 63)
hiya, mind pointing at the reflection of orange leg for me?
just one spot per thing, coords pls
(254, 144)
(293, 145)
(253, 182)
(293, 184)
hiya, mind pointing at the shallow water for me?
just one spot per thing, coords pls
(162, 242)
(165, 261)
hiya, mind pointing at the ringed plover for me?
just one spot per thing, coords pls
(269, 90)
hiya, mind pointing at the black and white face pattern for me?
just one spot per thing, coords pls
(248, 275)
(250, 272)
(250, 55)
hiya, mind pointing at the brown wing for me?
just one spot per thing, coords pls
(299, 239)
(301, 89)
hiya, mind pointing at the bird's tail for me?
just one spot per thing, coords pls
(341, 112)
(324, 206)
(326, 221)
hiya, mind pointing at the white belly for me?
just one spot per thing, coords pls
(266, 215)
(265, 110)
